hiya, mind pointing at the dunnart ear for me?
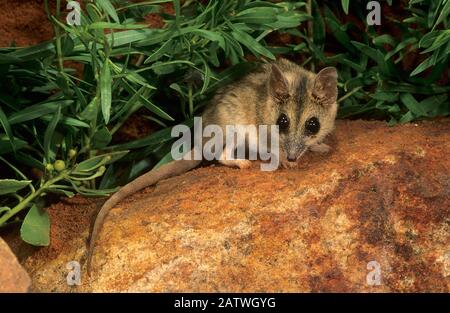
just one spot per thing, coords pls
(325, 86)
(278, 83)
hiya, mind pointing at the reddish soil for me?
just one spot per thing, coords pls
(23, 22)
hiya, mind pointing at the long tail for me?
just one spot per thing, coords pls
(171, 169)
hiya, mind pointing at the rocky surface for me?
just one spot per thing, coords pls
(371, 215)
(13, 278)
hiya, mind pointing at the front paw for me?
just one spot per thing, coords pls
(288, 165)
(321, 148)
(240, 163)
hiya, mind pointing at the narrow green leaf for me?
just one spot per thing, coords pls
(318, 25)
(155, 109)
(156, 138)
(213, 36)
(386, 96)
(166, 159)
(338, 32)
(97, 161)
(37, 111)
(106, 25)
(90, 111)
(5, 144)
(7, 127)
(384, 39)
(345, 5)
(423, 66)
(131, 37)
(408, 117)
(102, 138)
(109, 9)
(261, 15)
(411, 103)
(177, 6)
(251, 44)
(445, 12)
(400, 46)
(49, 154)
(34, 52)
(8, 186)
(167, 47)
(105, 91)
(436, 105)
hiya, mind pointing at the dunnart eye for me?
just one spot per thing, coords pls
(312, 126)
(283, 122)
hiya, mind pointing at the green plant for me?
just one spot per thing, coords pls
(396, 71)
(61, 122)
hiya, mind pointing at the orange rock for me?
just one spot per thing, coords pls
(13, 278)
(373, 215)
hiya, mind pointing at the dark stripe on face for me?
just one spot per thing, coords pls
(261, 98)
(300, 94)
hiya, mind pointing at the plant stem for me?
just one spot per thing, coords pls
(58, 38)
(47, 10)
(18, 172)
(191, 101)
(348, 94)
(22, 205)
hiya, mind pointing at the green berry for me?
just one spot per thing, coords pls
(60, 165)
(72, 153)
(49, 167)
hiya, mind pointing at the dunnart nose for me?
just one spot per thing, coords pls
(292, 158)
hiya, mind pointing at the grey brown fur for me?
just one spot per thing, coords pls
(257, 99)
